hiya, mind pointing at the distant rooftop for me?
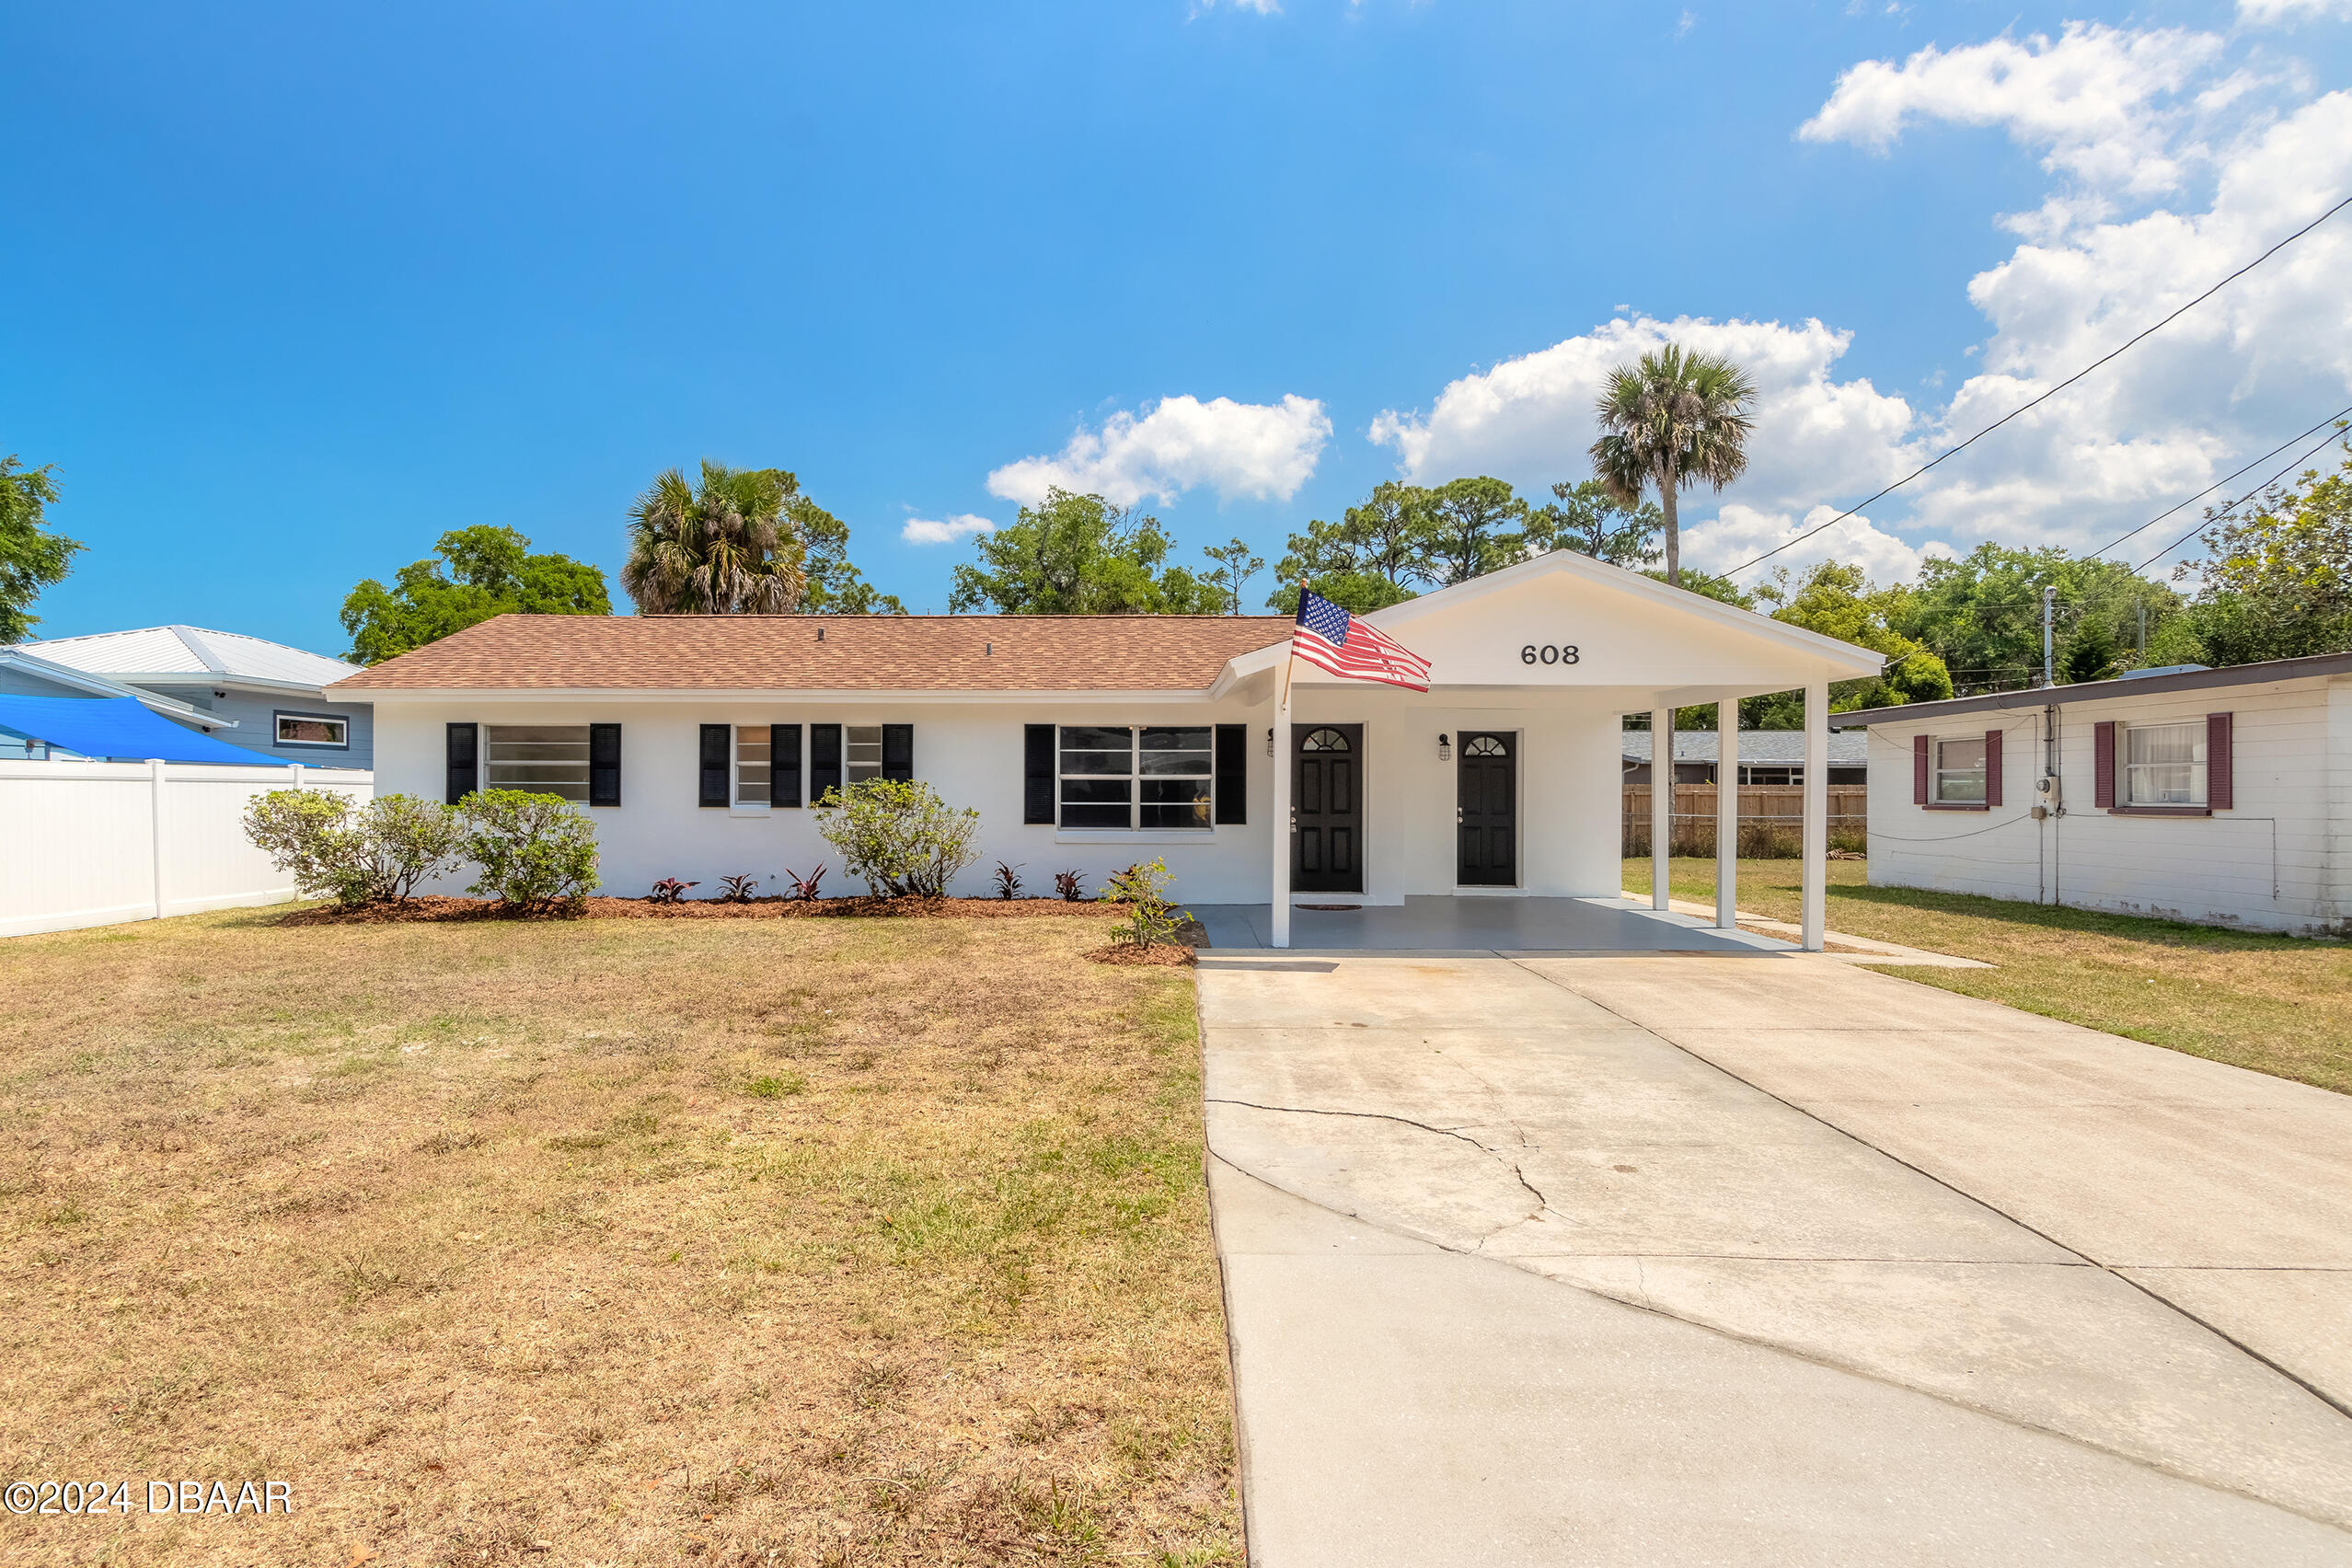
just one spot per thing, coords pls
(189, 655)
(1755, 746)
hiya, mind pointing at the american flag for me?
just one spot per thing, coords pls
(1330, 638)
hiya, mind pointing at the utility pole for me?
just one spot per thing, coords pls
(2143, 631)
(2049, 613)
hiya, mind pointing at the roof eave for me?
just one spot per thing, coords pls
(2312, 666)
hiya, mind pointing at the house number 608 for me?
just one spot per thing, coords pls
(1547, 653)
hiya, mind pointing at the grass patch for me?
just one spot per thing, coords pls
(2279, 1005)
(791, 1241)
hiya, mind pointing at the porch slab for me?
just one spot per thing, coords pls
(1439, 923)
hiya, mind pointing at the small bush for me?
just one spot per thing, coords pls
(804, 888)
(669, 889)
(1007, 880)
(534, 851)
(898, 836)
(353, 855)
(1071, 885)
(1151, 921)
(740, 888)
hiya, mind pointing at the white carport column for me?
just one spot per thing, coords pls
(1816, 814)
(1278, 825)
(1661, 802)
(1727, 813)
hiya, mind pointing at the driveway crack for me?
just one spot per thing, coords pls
(1543, 1204)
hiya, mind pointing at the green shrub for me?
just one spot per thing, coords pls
(354, 856)
(898, 836)
(534, 851)
(1152, 920)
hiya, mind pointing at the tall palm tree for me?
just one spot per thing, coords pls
(1673, 420)
(723, 548)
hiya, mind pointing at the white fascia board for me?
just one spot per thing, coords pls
(228, 683)
(109, 686)
(1860, 661)
(381, 695)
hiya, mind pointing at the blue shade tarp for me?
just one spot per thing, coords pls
(117, 728)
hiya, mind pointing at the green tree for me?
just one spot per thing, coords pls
(1235, 565)
(1836, 600)
(1367, 560)
(476, 573)
(722, 547)
(1982, 614)
(31, 557)
(1585, 517)
(1472, 528)
(2277, 581)
(831, 584)
(1673, 420)
(1080, 555)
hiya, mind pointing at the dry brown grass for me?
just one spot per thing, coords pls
(724, 1241)
(2279, 1005)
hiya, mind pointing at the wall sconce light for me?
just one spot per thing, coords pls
(1269, 740)
(1445, 749)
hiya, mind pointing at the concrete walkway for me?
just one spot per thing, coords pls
(1764, 1260)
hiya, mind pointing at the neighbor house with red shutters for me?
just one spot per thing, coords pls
(2222, 797)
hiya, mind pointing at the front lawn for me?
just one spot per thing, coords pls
(2279, 1005)
(736, 1241)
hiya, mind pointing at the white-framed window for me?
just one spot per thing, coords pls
(329, 730)
(543, 760)
(860, 752)
(1136, 777)
(1960, 772)
(754, 759)
(2165, 765)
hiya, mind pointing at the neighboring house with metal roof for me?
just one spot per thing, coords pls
(261, 696)
(1766, 756)
(2222, 797)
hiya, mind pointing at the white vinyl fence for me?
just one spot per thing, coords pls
(100, 843)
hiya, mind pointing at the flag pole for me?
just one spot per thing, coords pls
(1279, 830)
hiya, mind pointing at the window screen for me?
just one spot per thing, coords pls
(862, 751)
(1136, 776)
(542, 759)
(313, 729)
(754, 753)
(1960, 771)
(2165, 764)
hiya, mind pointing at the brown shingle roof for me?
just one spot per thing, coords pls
(855, 653)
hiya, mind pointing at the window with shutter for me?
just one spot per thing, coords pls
(717, 743)
(824, 761)
(1037, 774)
(1232, 774)
(898, 751)
(1992, 768)
(2103, 763)
(1921, 768)
(2220, 765)
(603, 764)
(784, 765)
(462, 751)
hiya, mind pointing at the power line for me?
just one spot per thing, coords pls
(2053, 392)
(2217, 484)
(2234, 506)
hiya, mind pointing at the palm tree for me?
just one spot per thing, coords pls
(723, 548)
(1673, 420)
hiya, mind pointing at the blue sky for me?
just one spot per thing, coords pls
(293, 290)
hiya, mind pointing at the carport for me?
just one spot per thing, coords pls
(1437, 924)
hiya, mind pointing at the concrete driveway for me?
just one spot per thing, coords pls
(1694, 1259)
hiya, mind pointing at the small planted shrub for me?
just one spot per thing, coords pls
(804, 888)
(1151, 920)
(739, 887)
(536, 852)
(898, 836)
(1007, 880)
(669, 889)
(1070, 886)
(354, 855)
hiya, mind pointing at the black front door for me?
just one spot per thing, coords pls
(1487, 797)
(1327, 809)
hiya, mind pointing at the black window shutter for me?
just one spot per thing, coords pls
(464, 760)
(603, 764)
(1232, 774)
(716, 739)
(1037, 773)
(825, 760)
(783, 765)
(898, 751)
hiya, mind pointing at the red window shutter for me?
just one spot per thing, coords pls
(2103, 763)
(1992, 768)
(2220, 767)
(1918, 770)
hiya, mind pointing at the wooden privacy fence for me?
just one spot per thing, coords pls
(1772, 819)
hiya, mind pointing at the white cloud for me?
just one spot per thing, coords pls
(2272, 13)
(2098, 103)
(1531, 419)
(1739, 533)
(944, 531)
(1261, 450)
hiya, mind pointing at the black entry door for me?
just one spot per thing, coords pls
(1489, 813)
(1327, 805)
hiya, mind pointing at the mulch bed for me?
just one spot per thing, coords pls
(1165, 957)
(434, 910)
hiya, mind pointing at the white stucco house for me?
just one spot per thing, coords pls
(2222, 797)
(698, 744)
